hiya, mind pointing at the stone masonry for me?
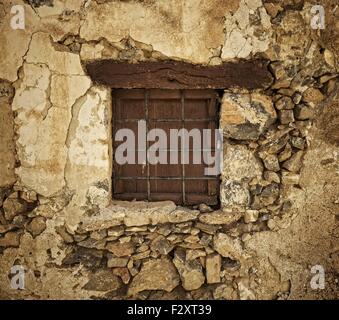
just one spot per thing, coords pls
(278, 211)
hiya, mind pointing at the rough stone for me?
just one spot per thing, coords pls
(203, 208)
(161, 245)
(194, 254)
(234, 195)
(240, 163)
(103, 280)
(93, 244)
(284, 103)
(290, 178)
(213, 267)
(36, 226)
(61, 230)
(286, 153)
(13, 207)
(190, 271)
(137, 213)
(271, 162)
(313, 96)
(271, 176)
(227, 246)
(286, 116)
(10, 239)
(298, 143)
(295, 162)
(114, 262)
(246, 116)
(220, 217)
(225, 292)
(251, 216)
(303, 112)
(123, 274)
(120, 249)
(155, 274)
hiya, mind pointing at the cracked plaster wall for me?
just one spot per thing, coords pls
(62, 153)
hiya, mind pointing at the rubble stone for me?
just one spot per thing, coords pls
(155, 274)
(191, 274)
(36, 226)
(246, 116)
(213, 266)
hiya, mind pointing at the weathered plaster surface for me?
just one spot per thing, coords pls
(279, 182)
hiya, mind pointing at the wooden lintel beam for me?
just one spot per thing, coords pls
(250, 74)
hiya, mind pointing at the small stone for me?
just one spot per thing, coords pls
(192, 239)
(195, 231)
(103, 280)
(36, 226)
(13, 207)
(123, 274)
(303, 112)
(92, 243)
(203, 208)
(296, 97)
(284, 103)
(227, 246)
(290, 178)
(114, 262)
(213, 267)
(141, 255)
(155, 274)
(142, 248)
(298, 143)
(120, 249)
(10, 239)
(327, 77)
(225, 292)
(286, 116)
(251, 216)
(313, 96)
(207, 228)
(234, 195)
(244, 292)
(62, 232)
(80, 237)
(271, 176)
(115, 231)
(125, 239)
(193, 254)
(294, 163)
(29, 196)
(285, 154)
(220, 217)
(98, 234)
(164, 230)
(136, 229)
(190, 271)
(161, 245)
(90, 258)
(7, 227)
(269, 194)
(271, 162)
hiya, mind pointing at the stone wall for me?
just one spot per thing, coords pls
(278, 192)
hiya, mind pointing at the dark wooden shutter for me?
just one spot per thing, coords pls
(184, 184)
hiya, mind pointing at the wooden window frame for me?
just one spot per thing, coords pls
(185, 197)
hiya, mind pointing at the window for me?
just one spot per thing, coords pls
(183, 182)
